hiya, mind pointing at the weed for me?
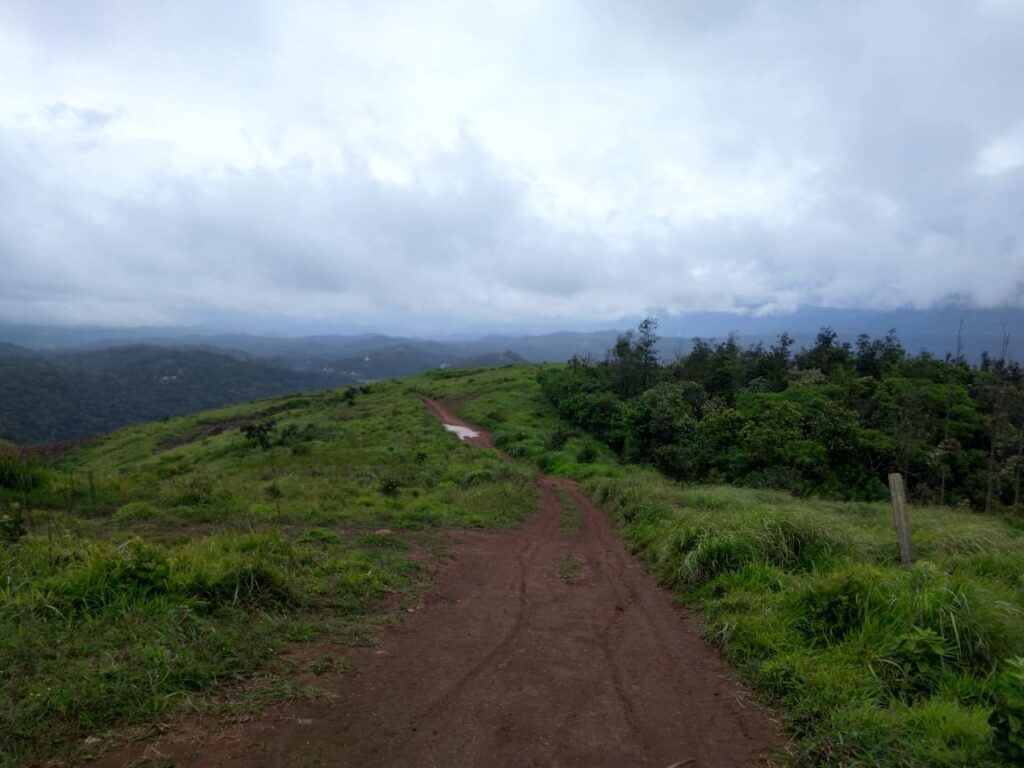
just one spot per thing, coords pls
(570, 568)
(570, 520)
(382, 541)
(319, 536)
(135, 510)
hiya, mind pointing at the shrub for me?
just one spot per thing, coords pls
(12, 524)
(587, 454)
(831, 609)
(260, 432)
(253, 583)
(1007, 718)
(18, 474)
(556, 440)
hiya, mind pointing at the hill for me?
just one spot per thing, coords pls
(933, 330)
(62, 395)
(166, 560)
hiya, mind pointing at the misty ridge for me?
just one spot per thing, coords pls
(58, 383)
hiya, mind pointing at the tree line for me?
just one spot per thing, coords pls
(833, 419)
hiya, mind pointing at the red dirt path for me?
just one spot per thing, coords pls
(510, 663)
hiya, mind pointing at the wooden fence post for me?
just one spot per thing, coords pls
(899, 517)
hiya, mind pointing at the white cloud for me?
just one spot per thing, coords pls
(1003, 154)
(505, 160)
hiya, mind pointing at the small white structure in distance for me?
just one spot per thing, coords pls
(464, 433)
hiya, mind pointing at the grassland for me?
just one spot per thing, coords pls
(170, 559)
(165, 564)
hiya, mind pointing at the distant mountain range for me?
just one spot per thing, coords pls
(63, 382)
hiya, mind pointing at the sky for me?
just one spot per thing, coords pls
(438, 166)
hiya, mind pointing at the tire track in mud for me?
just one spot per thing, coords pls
(511, 663)
(525, 560)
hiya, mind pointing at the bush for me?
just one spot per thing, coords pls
(18, 474)
(12, 524)
(1007, 718)
(831, 609)
(260, 432)
(388, 485)
(556, 440)
(587, 455)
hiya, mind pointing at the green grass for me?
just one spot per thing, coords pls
(875, 664)
(167, 560)
(570, 520)
(570, 568)
(509, 403)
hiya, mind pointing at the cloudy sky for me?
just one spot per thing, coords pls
(434, 165)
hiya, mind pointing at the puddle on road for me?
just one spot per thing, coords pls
(464, 433)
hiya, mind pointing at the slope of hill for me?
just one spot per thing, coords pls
(58, 396)
(408, 359)
(170, 558)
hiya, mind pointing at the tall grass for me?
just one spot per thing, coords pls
(95, 633)
(876, 665)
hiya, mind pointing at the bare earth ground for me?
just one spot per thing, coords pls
(538, 647)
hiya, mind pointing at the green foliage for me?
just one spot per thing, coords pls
(12, 523)
(319, 536)
(19, 474)
(830, 421)
(874, 664)
(382, 541)
(260, 433)
(389, 485)
(1007, 718)
(237, 551)
(136, 510)
(95, 634)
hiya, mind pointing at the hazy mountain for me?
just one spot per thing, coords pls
(934, 330)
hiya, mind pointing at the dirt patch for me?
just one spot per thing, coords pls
(509, 662)
(46, 452)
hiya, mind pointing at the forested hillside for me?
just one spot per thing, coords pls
(72, 394)
(832, 419)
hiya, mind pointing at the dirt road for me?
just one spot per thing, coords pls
(543, 646)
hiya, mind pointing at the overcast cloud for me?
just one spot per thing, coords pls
(455, 162)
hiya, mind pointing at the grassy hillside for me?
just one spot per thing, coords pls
(168, 559)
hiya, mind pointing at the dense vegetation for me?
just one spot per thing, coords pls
(831, 420)
(160, 562)
(58, 396)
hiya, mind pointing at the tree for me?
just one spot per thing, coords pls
(646, 352)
